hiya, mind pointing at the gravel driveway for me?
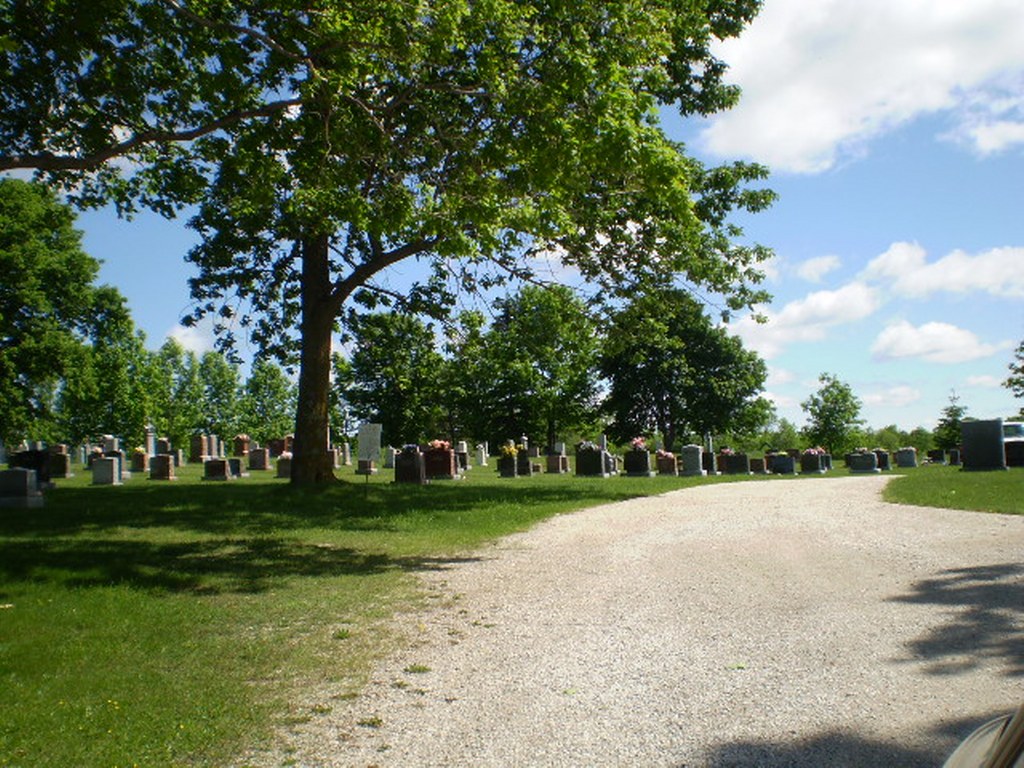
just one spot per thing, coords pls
(776, 623)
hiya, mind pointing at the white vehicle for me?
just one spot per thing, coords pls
(1013, 431)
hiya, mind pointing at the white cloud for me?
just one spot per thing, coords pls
(894, 397)
(821, 79)
(777, 376)
(933, 342)
(808, 319)
(992, 119)
(904, 266)
(813, 270)
(984, 382)
(197, 338)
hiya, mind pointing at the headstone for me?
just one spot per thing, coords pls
(122, 472)
(60, 466)
(692, 461)
(363, 467)
(524, 466)
(439, 464)
(179, 457)
(709, 462)
(409, 466)
(906, 458)
(36, 460)
(197, 449)
(954, 457)
(276, 447)
(369, 448)
(163, 445)
(481, 455)
(508, 466)
(284, 467)
(983, 445)
(161, 467)
(937, 456)
(602, 442)
(333, 455)
(346, 454)
(150, 440)
(389, 457)
(461, 447)
(590, 461)
(758, 466)
(81, 454)
(216, 469)
(734, 463)
(812, 462)
(557, 464)
(862, 462)
(235, 468)
(111, 444)
(18, 488)
(638, 463)
(259, 459)
(105, 471)
(140, 462)
(667, 463)
(884, 459)
(783, 464)
(241, 446)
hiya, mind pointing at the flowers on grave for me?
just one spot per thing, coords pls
(285, 455)
(727, 452)
(638, 444)
(661, 453)
(439, 445)
(509, 450)
(816, 451)
(139, 450)
(410, 448)
(586, 445)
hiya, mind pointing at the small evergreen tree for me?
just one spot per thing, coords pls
(947, 433)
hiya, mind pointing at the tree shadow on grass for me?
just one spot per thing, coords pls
(209, 567)
(236, 508)
(984, 609)
(845, 749)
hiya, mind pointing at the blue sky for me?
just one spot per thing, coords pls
(894, 130)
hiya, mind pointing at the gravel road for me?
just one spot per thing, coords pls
(776, 623)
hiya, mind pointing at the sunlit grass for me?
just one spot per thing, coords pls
(953, 488)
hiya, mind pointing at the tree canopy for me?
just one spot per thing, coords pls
(673, 371)
(833, 414)
(328, 143)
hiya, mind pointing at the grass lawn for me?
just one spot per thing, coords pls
(935, 485)
(173, 624)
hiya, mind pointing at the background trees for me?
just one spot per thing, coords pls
(948, 431)
(833, 415)
(48, 305)
(394, 376)
(671, 370)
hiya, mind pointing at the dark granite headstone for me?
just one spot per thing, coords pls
(983, 445)
(18, 488)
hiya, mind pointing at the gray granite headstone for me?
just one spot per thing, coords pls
(691, 461)
(906, 458)
(106, 471)
(161, 467)
(983, 445)
(862, 463)
(259, 459)
(18, 488)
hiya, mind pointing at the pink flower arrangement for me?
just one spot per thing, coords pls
(638, 444)
(661, 453)
(816, 451)
(440, 445)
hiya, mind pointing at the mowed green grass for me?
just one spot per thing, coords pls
(950, 487)
(176, 624)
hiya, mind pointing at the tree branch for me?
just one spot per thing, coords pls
(47, 161)
(379, 261)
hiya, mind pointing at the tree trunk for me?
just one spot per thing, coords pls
(310, 461)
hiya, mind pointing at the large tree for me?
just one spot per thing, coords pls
(533, 372)
(394, 376)
(833, 414)
(947, 433)
(671, 369)
(48, 304)
(329, 142)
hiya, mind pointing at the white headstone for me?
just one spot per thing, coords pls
(369, 442)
